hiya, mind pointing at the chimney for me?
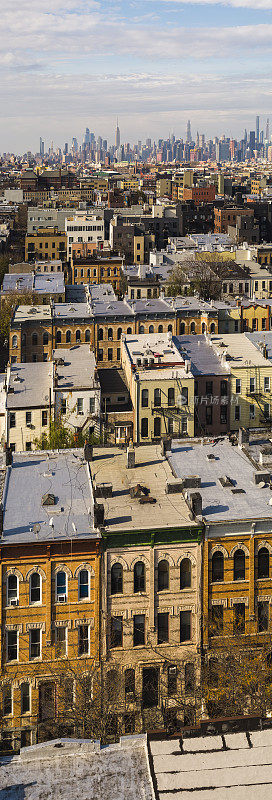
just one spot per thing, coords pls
(166, 444)
(99, 515)
(8, 456)
(130, 455)
(196, 503)
(243, 436)
(88, 451)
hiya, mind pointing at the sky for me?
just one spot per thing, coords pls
(68, 64)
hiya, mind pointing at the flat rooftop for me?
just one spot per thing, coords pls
(37, 313)
(240, 350)
(203, 357)
(28, 281)
(65, 475)
(87, 770)
(78, 368)
(238, 769)
(216, 459)
(152, 470)
(30, 384)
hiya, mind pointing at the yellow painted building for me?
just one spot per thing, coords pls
(250, 380)
(161, 387)
(44, 244)
(49, 593)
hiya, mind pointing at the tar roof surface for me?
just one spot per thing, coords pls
(65, 475)
(190, 458)
(122, 513)
(78, 368)
(31, 383)
(204, 359)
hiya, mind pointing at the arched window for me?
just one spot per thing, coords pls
(141, 329)
(35, 594)
(129, 681)
(170, 328)
(68, 337)
(192, 327)
(182, 327)
(100, 334)
(151, 329)
(263, 563)
(61, 587)
(45, 338)
(119, 333)
(12, 590)
(217, 566)
(212, 327)
(139, 577)
(112, 683)
(157, 427)
(58, 337)
(239, 565)
(163, 575)
(185, 573)
(129, 330)
(83, 585)
(87, 336)
(34, 339)
(117, 579)
(15, 341)
(110, 334)
(203, 327)
(144, 427)
(78, 335)
(160, 329)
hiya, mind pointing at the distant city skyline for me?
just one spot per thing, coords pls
(72, 63)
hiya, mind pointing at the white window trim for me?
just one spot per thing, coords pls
(35, 602)
(58, 627)
(84, 599)
(26, 713)
(66, 586)
(8, 603)
(13, 660)
(84, 655)
(8, 716)
(37, 658)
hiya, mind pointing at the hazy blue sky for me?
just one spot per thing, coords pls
(66, 64)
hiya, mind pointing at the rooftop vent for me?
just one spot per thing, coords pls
(226, 482)
(48, 499)
(237, 490)
(261, 477)
(103, 490)
(211, 457)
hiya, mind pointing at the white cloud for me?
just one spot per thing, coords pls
(253, 4)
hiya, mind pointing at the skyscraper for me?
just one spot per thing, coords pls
(41, 147)
(117, 135)
(188, 132)
(267, 130)
(257, 129)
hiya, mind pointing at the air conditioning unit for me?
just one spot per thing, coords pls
(13, 601)
(62, 598)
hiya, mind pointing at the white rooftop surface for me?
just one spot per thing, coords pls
(261, 338)
(152, 470)
(205, 770)
(37, 312)
(64, 474)
(78, 368)
(72, 311)
(70, 769)
(42, 282)
(31, 383)
(204, 359)
(241, 350)
(219, 503)
(154, 344)
(162, 350)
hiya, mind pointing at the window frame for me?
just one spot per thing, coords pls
(31, 601)
(85, 598)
